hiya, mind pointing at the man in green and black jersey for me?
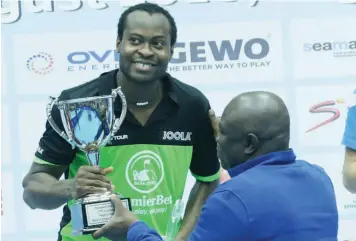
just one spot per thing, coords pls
(166, 133)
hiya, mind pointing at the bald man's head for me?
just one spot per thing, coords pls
(253, 124)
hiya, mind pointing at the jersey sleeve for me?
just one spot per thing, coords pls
(53, 149)
(205, 165)
(349, 138)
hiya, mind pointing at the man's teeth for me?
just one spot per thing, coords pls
(143, 66)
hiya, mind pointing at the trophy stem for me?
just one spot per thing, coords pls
(93, 157)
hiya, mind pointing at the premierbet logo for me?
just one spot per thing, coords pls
(145, 171)
(149, 202)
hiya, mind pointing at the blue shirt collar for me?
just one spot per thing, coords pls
(273, 158)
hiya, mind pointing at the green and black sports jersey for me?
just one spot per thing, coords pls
(150, 162)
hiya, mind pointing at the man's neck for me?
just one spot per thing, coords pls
(139, 94)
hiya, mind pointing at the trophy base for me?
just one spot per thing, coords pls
(92, 212)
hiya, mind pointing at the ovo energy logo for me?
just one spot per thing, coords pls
(144, 171)
(41, 63)
(323, 107)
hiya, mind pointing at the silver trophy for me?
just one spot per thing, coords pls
(89, 124)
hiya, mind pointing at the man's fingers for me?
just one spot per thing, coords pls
(214, 122)
(108, 170)
(95, 177)
(116, 201)
(90, 190)
(92, 169)
(101, 232)
(97, 170)
(94, 183)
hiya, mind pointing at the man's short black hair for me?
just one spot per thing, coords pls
(150, 8)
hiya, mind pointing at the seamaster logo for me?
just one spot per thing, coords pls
(145, 171)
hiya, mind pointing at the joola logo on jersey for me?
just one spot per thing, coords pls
(177, 136)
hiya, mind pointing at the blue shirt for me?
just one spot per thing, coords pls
(273, 197)
(349, 138)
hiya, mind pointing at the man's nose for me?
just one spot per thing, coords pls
(146, 50)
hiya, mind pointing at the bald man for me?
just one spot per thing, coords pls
(271, 195)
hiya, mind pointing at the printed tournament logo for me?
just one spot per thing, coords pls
(144, 171)
(338, 49)
(41, 63)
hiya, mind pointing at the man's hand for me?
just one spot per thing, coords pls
(90, 179)
(214, 123)
(119, 224)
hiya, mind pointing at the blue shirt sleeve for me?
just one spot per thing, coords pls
(223, 217)
(139, 231)
(349, 139)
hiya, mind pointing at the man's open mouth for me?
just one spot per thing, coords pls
(143, 65)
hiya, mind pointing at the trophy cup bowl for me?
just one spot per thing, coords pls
(89, 123)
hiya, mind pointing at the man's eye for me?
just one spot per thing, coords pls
(135, 41)
(159, 44)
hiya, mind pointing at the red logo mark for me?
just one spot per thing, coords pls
(322, 108)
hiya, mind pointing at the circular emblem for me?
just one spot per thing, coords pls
(144, 171)
(41, 63)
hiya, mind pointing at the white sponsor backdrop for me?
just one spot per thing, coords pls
(305, 52)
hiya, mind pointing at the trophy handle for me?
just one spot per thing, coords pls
(117, 121)
(53, 101)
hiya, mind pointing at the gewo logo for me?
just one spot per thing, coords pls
(145, 171)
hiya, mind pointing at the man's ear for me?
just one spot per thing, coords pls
(252, 143)
(172, 52)
(118, 44)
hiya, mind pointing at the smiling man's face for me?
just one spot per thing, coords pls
(145, 48)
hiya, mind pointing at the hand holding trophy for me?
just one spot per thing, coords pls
(89, 124)
(89, 180)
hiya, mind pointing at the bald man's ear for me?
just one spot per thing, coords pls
(252, 144)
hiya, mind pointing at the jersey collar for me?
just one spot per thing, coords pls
(273, 158)
(108, 80)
